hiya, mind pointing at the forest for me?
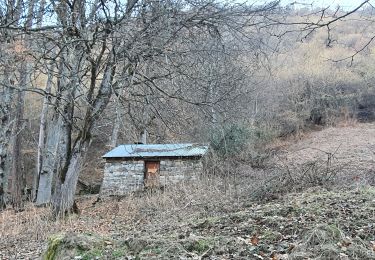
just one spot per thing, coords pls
(253, 80)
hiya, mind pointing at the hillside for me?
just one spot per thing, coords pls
(309, 225)
(349, 149)
(223, 217)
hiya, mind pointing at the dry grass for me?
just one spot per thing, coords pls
(350, 147)
(212, 217)
(219, 214)
(26, 232)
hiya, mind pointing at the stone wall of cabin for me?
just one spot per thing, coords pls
(174, 171)
(122, 177)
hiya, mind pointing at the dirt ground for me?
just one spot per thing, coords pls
(217, 218)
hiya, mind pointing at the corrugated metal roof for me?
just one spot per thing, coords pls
(156, 150)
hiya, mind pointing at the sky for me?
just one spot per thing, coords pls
(346, 4)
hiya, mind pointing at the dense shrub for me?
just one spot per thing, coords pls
(229, 140)
(235, 143)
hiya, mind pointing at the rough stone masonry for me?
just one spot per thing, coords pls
(123, 177)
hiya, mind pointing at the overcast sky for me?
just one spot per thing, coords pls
(347, 4)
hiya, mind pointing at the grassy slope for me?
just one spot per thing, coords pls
(218, 218)
(316, 224)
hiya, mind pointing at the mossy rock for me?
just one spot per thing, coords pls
(69, 245)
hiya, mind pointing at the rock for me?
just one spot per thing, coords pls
(73, 246)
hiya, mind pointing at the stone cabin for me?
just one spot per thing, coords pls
(138, 166)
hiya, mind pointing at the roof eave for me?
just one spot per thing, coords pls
(134, 158)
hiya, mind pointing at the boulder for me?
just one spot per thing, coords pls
(73, 246)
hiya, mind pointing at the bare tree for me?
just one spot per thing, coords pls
(11, 14)
(155, 56)
(109, 49)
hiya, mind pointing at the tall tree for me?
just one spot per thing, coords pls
(97, 52)
(11, 12)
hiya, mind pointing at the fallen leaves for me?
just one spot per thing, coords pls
(254, 240)
(271, 231)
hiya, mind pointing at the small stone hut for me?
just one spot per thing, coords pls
(138, 166)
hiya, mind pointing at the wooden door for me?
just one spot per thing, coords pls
(152, 174)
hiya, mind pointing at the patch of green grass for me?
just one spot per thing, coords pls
(53, 246)
(92, 254)
(272, 236)
(202, 245)
(119, 252)
(274, 221)
(199, 246)
(208, 222)
(151, 250)
(324, 234)
(368, 191)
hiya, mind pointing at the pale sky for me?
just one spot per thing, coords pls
(347, 4)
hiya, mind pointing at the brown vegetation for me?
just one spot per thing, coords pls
(283, 95)
(223, 216)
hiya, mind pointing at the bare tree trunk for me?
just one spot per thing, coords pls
(40, 13)
(118, 121)
(63, 197)
(58, 141)
(12, 15)
(116, 127)
(16, 172)
(143, 138)
(146, 121)
(5, 133)
(42, 134)
(24, 70)
(49, 159)
(213, 110)
(56, 150)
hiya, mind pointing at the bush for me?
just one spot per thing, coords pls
(234, 144)
(229, 140)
